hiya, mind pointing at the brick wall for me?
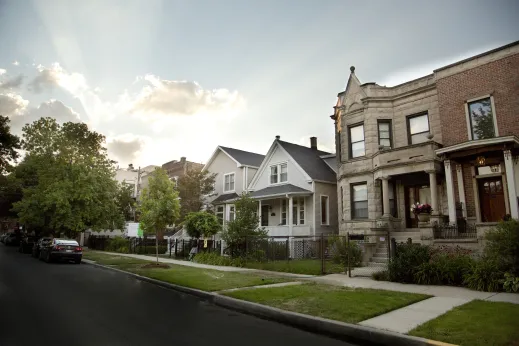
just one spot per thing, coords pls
(499, 78)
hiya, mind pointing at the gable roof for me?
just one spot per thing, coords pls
(245, 158)
(277, 190)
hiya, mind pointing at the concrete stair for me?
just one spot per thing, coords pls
(380, 256)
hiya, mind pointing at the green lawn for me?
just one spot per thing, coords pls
(477, 323)
(202, 279)
(336, 303)
(302, 266)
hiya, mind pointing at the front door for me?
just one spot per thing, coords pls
(491, 199)
(264, 215)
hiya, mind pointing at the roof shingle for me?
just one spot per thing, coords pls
(278, 190)
(245, 157)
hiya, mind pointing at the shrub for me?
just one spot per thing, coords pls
(150, 250)
(381, 276)
(503, 246)
(484, 275)
(408, 259)
(202, 223)
(213, 258)
(511, 283)
(339, 250)
(117, 244)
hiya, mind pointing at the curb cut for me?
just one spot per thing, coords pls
(339, 330)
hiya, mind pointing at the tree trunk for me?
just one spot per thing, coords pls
(157, 245)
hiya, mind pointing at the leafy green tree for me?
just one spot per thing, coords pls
(245, 225)
(201, 223)
(68, 180)
(9, 144)
(192, 187)
(160, 206)
(483, 120)
(126, 201)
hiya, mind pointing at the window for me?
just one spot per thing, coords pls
(384, 133)
(359, 199)
(418, 128)
(357, 141)
(301, 211)
(324, 210)
(231, 213)
(228, 182)
(278, 173)
(284, 212)
(481, 119)
(298, 211)
(219, 213)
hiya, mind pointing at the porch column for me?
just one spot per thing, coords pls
(385, 196)
(510, 182)
(290, 215)
(259, 212)
(450, 192)
(434, 192)
(461, 189)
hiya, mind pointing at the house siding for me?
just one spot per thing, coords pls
(329, 190)
(221, 165)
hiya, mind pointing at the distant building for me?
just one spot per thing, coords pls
(175, 169)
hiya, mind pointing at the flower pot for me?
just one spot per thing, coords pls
(423, 217)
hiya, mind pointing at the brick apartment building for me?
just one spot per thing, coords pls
(449, 139)
(176, 169)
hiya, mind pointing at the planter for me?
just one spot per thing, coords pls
(424, 217)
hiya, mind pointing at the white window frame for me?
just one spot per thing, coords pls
(295, 218)
(220, 213)
(283, 200)
(229, 207)
(234, 183)
(327, 209)
(467, 114)
(350, 149)
(298, 217)
(278, 181)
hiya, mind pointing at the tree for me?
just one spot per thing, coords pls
(125, 201)
(159, 205)
(192, 187)
(201, 223)
(9, 144)
(245, 224)
(67, 179)
(483, 120)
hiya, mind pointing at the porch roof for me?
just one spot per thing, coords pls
(480, 143)
(225, 197)
(280, 190)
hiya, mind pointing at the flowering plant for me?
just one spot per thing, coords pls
(421, 208)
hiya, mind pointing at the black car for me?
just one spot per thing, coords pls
(61, 249)
(36, 248)
(26, 243)
(12, 239)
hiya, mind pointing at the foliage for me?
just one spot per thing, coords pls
(159, 205)
(117, 244)
(503, 246)
(444, 268)
(484, 275)
(340, 249)
(382, 275)
(125, 201)
(511, 283)
(151, 250)
(421, 208)
(244, 225)
(201, 223)
(192, 187)
(213, 258)
(66, 179)
(9, 144)
(408, 258)
(483, 120)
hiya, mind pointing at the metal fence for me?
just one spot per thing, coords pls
(461, 230)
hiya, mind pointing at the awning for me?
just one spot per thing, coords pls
(280, 190)
(480, 143)
(225, 197)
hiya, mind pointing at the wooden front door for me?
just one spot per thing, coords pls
(491, 199)
(264, 215)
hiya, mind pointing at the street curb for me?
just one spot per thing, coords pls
(339, 330)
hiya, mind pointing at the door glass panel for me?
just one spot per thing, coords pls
(499, 188)
(492, 187)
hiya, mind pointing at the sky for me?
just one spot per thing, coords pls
(162, 79)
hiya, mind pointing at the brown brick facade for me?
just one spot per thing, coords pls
(499, 78)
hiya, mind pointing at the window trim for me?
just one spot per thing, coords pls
(327, 223)
(352, 209)
(350, 143)
(279, 164)
(390, 123)
(283, 200)
(469, 119)
(408, 118)
(229, 207)
(229, 174)
(222, 213)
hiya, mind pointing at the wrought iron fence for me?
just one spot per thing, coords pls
(462, 230)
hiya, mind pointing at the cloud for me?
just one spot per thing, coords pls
(54, 76)
(166, 97)
(16, 63)
(12, 104)
(53, 109)
(12, 83)
(125, 148)
(2, 71)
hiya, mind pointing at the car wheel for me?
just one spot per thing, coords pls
(77, 261)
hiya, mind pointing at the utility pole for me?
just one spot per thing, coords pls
(137, 194)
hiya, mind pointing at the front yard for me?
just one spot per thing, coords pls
(202, 279)
(302, 266)
(478, 323)
(336, 303)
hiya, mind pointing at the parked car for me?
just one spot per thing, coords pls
(36, 248)
(2, 237)
(12, 239)
(61, 249)
(26, 243)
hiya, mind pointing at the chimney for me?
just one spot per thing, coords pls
(313, 143)
(278, 137)
(183, 159)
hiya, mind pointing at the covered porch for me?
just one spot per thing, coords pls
(285, 210)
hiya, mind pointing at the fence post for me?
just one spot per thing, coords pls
(169, 245)
(183, 252)
(287, 250)
(323, 269)
(348, 247)
(303, 248)
(176, 241)
(388, 246)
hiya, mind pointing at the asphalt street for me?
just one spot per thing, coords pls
(70, 304)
